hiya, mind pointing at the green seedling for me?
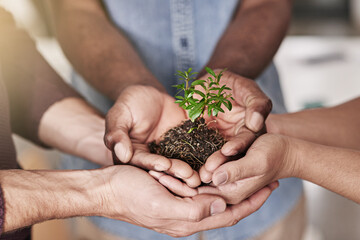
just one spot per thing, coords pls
(203, 95)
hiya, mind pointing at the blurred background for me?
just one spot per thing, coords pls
(319, 65)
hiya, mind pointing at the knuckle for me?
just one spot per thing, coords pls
(109, 140)
(195, 214)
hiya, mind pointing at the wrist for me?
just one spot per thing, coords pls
(295, 157)
(37, 196)
(273, 124)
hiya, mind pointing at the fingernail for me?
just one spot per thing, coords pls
(227, 151)
(159, 167)
(218, 206)
(220, 178)
(256, 121)
(121, 152)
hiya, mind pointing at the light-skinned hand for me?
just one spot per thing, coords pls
(241, 125)
(132, 195)
(140, 115)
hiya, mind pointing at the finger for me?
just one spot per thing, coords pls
(205, 175)
(174, 185)
(257, 110)
(182, 170)
(233, 214)
(233, 171)
(274, 185)
(255, 201)
(117, 127)
(146, 160)
(212, 163)
(257, 104)
(192, 209)
(238, 144)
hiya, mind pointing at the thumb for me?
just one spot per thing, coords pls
(257, 110)
(117, 126)
(233, 171)
(197, 208)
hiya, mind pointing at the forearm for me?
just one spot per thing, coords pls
(336, 126)
(98, 50)
(74, 127)
(34, 196)
(32, 85)
(336, 169)
(253, 37)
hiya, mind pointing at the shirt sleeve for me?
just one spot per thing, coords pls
(32, 85)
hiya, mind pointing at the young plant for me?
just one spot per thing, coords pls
(212, 98)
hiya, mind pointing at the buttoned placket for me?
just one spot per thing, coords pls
(183, 39)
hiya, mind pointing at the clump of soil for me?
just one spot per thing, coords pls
(194, 147)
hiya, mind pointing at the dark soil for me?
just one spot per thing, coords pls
(194, 147)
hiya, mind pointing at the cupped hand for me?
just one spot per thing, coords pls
(132, 195)
(267, 160)
(242, 124)
(140, 115)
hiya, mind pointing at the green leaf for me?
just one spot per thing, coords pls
(178, 101)
(220, 75)
(193, 101)
(199, 93)
(210, 107)
(179, 97)
(215, 112)
(197, 110)
(197, 82)
(179, 86)
(219, 109)
(215, 89)
(181, 74)
(203, 86)
(211, 84)
(189, 107)
(216, 99)
(191, 129)
(227, 104)
(210, 71)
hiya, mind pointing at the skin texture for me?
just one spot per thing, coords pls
(105, 58)
(332, 126)
(114, 65)
(272, 157)
(120, 192)
(78, 129)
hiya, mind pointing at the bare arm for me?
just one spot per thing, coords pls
(98, 50)
(253, 37)
(336, 126)
(34, 196)
(273, 157)
(120, 192)
(73, 126)
(336, 169)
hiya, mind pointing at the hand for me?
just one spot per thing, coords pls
(132, 195)
(267, 160)
(250, 109)
(73, 126)
(140, 115)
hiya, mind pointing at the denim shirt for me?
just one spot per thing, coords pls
(172, 35)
